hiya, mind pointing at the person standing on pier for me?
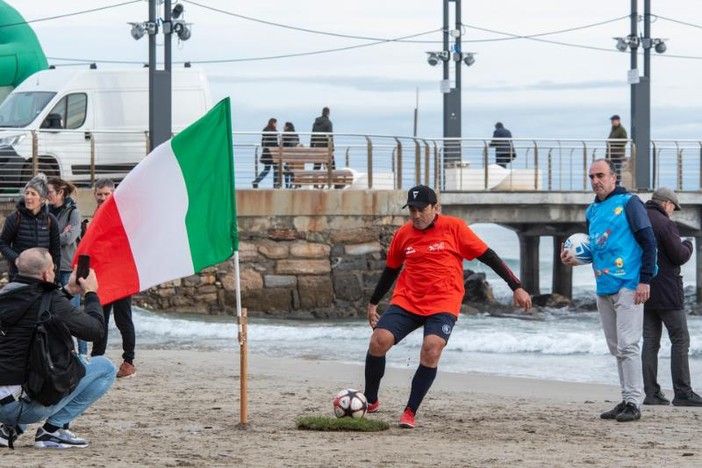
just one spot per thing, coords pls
(426, 257)
(616, 145)
(269, 139)
(624, 261)
(665, 307)
(504, 149)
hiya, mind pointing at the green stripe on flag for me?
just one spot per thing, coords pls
(204, 153)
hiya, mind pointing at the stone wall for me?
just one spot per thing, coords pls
(290, 267)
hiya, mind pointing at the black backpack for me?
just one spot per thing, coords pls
(53, 367)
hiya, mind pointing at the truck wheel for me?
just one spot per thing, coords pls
(49, 167)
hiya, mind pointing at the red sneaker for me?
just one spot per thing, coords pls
(407, 419)
(373, 407)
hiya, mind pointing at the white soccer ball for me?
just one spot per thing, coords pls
(579, 247)
(350, 403)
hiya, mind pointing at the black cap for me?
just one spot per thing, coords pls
(614, 117)
(420, 196)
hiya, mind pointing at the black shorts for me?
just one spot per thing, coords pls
(401, 323)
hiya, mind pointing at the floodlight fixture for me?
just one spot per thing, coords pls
(433, 58)
(177, 11)
(469, 59)
(622, 44)
(138, 31)
(659, 45)
(182, 30)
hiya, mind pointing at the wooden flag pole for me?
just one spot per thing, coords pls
(241, 315)
(243, 368)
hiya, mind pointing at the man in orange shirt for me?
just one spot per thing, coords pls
(429, 292)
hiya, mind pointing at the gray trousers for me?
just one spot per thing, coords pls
(675, 322)
(622, 323)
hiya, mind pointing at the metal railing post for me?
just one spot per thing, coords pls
(427, 166)
(437, 165)
(369, 149)
(91, 136)
(655, 162)
(417, 163)
(485, 165)
(679, 168)
(549, 171)
(35, 153)
(584, 166)
(399, 163)
(536, 165)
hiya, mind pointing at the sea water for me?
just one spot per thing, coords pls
(563, 344)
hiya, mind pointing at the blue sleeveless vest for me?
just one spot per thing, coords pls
(616, 256)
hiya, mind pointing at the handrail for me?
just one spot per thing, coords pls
(376, 161)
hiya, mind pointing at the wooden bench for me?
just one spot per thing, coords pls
(295, 159)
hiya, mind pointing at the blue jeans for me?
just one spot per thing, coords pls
(100, 373)
(64, 276)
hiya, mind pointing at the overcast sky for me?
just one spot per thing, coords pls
(537, 89)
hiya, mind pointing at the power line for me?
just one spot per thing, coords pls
(579, 46)
(684, 23)
(66, 15)
(272, 57)
(297, 28)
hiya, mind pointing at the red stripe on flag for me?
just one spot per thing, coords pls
(110, 254)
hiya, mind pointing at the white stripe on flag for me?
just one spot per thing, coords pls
(155, 223)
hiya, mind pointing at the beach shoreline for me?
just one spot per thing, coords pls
(183, 409)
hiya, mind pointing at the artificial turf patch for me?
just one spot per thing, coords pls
(323, 423)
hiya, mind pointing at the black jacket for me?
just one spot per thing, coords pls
(40, 230)
(667, 286)
(322, 124)
(502, 147)
(19, 306)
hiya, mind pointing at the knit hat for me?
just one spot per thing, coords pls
(38, 183)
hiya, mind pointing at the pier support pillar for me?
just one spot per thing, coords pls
(698, 273)
(562, 282)
(529, 262)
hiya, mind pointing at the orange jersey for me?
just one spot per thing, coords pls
(432, 278)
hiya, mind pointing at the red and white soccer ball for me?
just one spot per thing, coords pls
(350, 403)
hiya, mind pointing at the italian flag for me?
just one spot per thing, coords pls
(173, 215)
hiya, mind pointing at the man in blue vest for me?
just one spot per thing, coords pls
(624, 261)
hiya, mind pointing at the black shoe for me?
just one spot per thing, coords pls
(254, 185)
(629, 413)
(614, 412)
(691, 399)
(657, 398)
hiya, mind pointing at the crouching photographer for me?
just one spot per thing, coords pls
(36, 324)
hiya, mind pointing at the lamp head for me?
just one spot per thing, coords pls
(138, 31)
(621, 44)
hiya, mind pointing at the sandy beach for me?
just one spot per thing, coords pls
(182, 409)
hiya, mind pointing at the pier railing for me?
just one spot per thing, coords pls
(377, 161)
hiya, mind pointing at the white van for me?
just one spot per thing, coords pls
(68, 117)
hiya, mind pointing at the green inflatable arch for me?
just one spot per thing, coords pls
(20, 51)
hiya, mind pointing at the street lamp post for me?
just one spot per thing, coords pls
(452, 94)
(641, 90)
(160, 103)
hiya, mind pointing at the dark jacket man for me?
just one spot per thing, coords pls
(617, 149)
(20, 301)
(666, 306)
(667, 286)
(504, 150)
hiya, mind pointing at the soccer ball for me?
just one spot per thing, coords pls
(578, 245)
(350, 403)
